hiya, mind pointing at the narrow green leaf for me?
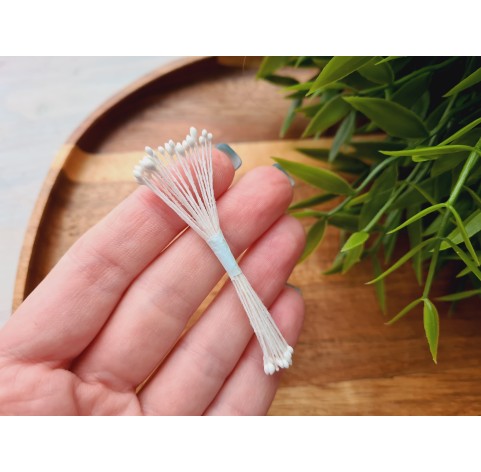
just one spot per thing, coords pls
(270, 64)
(389, 240)
(356, 239)
(465, 258)
(428, 153)
(410, 92)
(333, 111)
(401, 261)
(343, 135)
(391, 117)
(463, 233)
(431, 327)
(337, 68)
(281, 80)
(309, 202)
(466, 83)
(404, 311)
(379, 285)
(461, 132)
(388, 59)
(454, 297)
(336, 266)
(377, 72)
(318, 177)
(291, 114)
(313, 238)
(421, 214)
(344, 221)
(352, 257)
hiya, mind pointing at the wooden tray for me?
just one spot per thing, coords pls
(347, 360)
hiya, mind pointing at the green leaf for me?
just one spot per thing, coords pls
(333, 111)
(405, 311)
(461, 132)
(343, 135)
(352, 257)
(314, 238)
(309, 202)
(356, 239)
(402, 260)
(377, 72)
(316, 176)
(468, 82)
(336, 266)
(337, 68)
(428, 153)
(410, 92)
(464, 257)
(344, 221)
(270, 64)
(291, 114)
(281, 80)
(421, 214)
(454, 297)
(379, 285)
(391, 117)
(463, 233)
(388, 59)
(431, 327)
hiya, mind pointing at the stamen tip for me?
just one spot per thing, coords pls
(269, 368)
(193, 133)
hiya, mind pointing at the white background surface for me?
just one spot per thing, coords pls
(42, 100)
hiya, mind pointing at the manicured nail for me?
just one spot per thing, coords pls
(231, 154)
(297, 289)
(291, 180)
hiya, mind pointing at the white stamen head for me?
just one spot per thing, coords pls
(161, 150)
(201, 140)
(149, 151)
(171, 142)
(179, 149)
(269, 368)
(169, 148)
(204, 133)
(209, 136)
(147, 163)
(190, 141)
(193, 133)
(138, 175)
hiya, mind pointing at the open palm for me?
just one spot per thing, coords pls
(112, 313)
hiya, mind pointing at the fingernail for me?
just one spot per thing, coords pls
(231, 154)
(291, 180)
(297, 289)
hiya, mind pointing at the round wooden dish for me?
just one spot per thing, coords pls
(347, 361)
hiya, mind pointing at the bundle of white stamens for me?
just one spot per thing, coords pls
(182, 176)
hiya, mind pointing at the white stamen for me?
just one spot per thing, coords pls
(183, 179)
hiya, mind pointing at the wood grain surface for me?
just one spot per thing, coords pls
(347, 360)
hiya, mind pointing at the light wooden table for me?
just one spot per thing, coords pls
(42, 100)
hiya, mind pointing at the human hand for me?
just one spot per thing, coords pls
(115, 305)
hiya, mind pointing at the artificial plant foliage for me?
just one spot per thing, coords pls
(424, 178)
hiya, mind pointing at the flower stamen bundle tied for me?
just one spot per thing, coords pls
(181, 175)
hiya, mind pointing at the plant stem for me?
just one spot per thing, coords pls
(468, 165)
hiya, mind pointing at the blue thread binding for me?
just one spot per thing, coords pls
(221, 249)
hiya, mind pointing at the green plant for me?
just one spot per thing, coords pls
(423, 178)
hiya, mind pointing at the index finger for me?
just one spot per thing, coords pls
(69, 307)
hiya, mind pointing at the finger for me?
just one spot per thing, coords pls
(249, 391)
(67, 310)
(157, 306)
(196, 369)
